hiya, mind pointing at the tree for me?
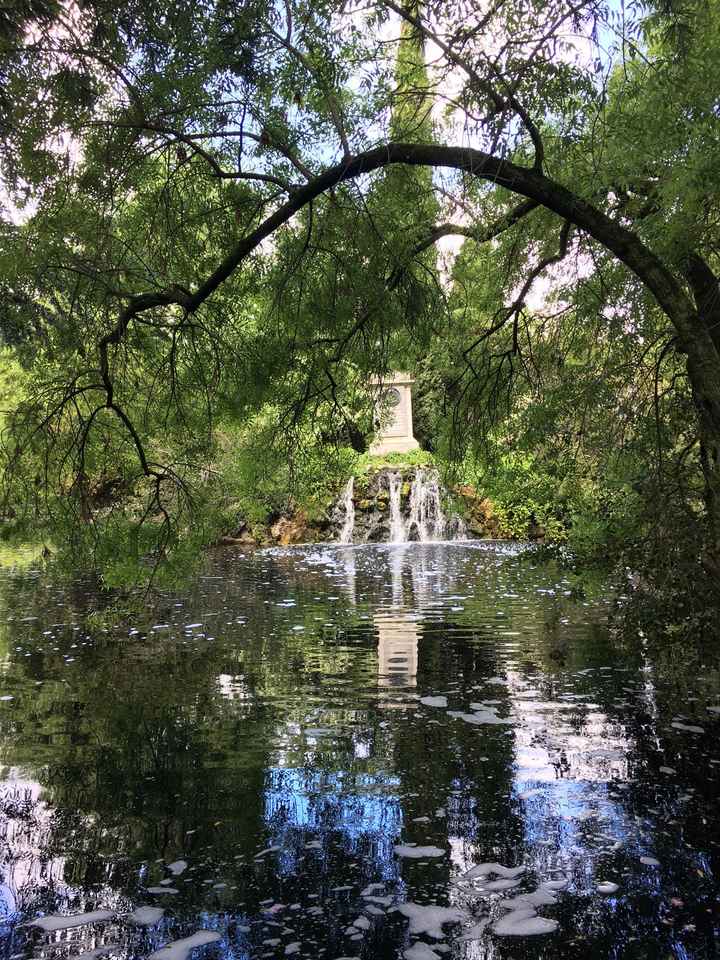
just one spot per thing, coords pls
(194, 141)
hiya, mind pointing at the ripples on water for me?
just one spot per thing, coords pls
(267, 756)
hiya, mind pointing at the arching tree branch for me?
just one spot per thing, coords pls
(541, 189)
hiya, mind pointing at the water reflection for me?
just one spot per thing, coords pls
(397, 649)
(25, 868)
(245, 729)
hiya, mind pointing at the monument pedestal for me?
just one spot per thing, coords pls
(394, 431)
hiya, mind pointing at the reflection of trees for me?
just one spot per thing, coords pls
(29, 872)
(131, 767)
(138, 740)
(268, 723)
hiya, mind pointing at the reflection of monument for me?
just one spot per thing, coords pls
(397, 649)
(394, 433)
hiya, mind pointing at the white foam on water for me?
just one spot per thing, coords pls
(265, 852)
(417, 853)
(475, 932)
(434, 701)
(542, 897)
(146, 916)
(526, 794)
(420, 951)
(558, 884)
(495, 886)
(650, 861)
(524, 923)
(177, 867)
(180, 949)
(493, 870)
(429, 919)
(607, 887)
(158, 890)
(292, 948)
(58, 922)
(372, 888)
(478, 718)
(687, 727)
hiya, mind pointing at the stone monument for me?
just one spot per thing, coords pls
(393, 416)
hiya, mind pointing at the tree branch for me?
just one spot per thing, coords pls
(472, 233)
(706, 293)
(535, 186)
(500, 102)
(330, 97)
(191, 142)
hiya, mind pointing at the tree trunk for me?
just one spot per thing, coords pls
(703, 366)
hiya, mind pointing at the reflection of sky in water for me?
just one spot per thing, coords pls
(565, 755)
(22, 862)
(362, 808)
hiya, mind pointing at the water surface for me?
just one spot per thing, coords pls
(255, 757)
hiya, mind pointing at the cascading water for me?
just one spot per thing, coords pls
(383, 516)
(347, 504)
(426, 520)
(397, 524)
(457, 528)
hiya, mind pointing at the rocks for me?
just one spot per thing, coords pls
(373, 515)
(372, 507)
(244, 539)
(289, 530)
(480, 517)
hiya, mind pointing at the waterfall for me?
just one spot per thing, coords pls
(426, 520)
(397, 524)
(346, 504)
(384, 515)
(457, 528)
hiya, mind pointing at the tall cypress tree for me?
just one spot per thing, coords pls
(411, 116)
(405, 193)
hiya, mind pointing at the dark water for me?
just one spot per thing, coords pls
(268, 729)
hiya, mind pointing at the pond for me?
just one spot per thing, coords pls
(425, 750)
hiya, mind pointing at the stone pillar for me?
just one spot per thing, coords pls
(393, 415)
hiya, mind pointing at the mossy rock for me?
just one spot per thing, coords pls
(366, 504)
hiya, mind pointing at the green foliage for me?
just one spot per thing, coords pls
(143, 142)
(263, 480)
(368, 462)
(527, 500)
